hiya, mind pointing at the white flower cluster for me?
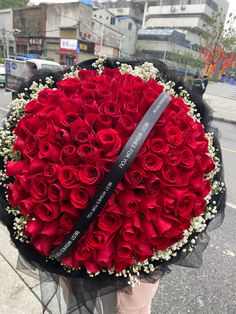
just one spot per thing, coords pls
(74, 73)
(99, 64)
(145, 71)
(19, 225)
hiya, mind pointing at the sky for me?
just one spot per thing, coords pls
(232, 3)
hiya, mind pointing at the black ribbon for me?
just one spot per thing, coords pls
(115, 175)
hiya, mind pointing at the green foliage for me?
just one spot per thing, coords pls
(219, 33)
(186, 59)
(5, 4)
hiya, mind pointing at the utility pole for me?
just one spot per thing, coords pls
(101, 41)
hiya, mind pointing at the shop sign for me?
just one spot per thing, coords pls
(36, 42)
(69, 44)
(86, 46)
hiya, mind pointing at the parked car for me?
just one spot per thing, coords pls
(2, 75)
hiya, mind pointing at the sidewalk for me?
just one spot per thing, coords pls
(224, 108)
(19, 294)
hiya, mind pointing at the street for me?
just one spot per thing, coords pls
(212, 288)
(222, 89)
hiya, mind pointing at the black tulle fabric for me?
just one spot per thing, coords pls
(73, 293)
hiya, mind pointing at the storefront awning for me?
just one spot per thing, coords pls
(66, 51)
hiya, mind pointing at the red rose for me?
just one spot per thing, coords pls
(143, 251)
(17, 193)
(90, 174)
(125, 126)
(68, 176)
(109, 222)
(151, 209)
(56, 193)
(149, 96)
(157, 145)
(105, 164)
(68, 119)
(171, 174)
(47, 211)
(33, 227)
(16, 167)
(206, 163)
(97, 239)
(69, 85)
(129, 202)
(205, 188)
(69, 209)
(153, 185)
(69, 155)
(26, 206)
(84, 252)
(81, 131)
(39, 126)
(187, 157)
(173, 157)
(50, 151)
(67, 222)
(123, 257)
(88, 153)
(50, 228)
(43, 244)
(173, 135)
(110, 109)
(33, 106)
(102, 122)
(62, 136)
(186, 205)
(199, 206)
(109, 140)
(129, 232)
(37, 166)
(130, 108)
(86, 75)
(134, 177)
(80, 196)
(190, 139)
(51, 171)
(162, 224)
(105, 254)
(39, 189)
(30, 146)
(151, 162)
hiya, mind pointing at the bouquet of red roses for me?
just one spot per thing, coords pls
(59, 146)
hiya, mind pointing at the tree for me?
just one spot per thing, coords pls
(219, 38)
(186, 60)
(5, 4)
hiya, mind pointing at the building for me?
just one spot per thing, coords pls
(105, 33)
(131, 8)
(7, 40)
(40, 27)
(187, 16)
(125, 25)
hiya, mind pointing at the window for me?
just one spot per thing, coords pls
(95, 15)
(130, 26)
(113, 21)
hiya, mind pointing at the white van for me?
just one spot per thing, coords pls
(19, 71)
(34, 65)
